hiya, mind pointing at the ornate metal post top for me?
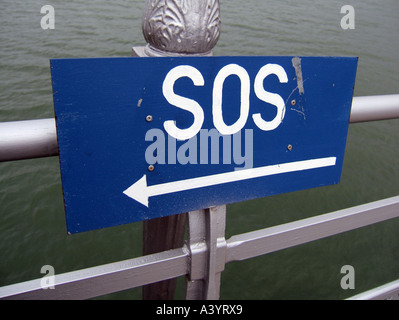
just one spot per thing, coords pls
(181, 27)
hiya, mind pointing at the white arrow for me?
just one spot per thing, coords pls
(140, 191)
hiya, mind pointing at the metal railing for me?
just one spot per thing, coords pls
(206, 252)
(38, 138)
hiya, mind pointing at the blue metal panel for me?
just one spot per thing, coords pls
(101, 108)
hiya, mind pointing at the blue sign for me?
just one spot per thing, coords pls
(142, 138)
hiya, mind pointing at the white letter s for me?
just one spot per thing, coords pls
(182, 102)
(268, 97)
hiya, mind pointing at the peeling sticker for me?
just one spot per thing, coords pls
(296, 63)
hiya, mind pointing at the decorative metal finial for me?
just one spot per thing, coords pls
(181, 26)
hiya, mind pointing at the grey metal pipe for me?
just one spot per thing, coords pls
(28, 139)
(38, 138)
(374, 108)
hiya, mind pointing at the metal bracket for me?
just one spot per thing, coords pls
(207, 246)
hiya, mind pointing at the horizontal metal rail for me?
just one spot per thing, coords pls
(260, 242)
(375, 108)
(38, 138)
(114, 277)
(389, 291)
(28, 139)
(105, 279)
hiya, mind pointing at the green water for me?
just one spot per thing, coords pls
(32, 223)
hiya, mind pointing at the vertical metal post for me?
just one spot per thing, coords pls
(174, 28)
(217, 246)
(196, 243)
